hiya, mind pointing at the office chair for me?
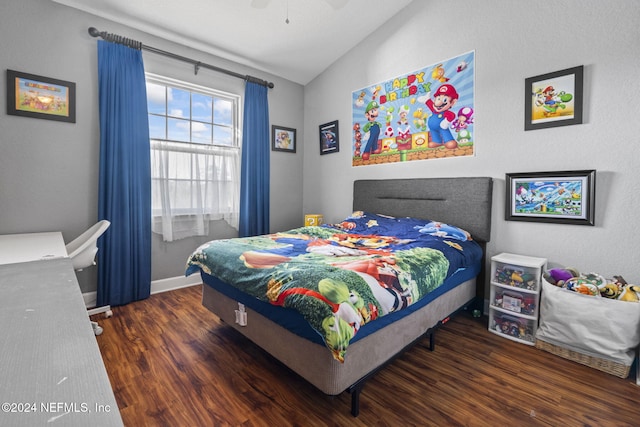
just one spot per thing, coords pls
(82, 251)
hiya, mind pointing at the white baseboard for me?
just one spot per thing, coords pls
(157, 286)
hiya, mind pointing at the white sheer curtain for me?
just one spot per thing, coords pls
(193, 184)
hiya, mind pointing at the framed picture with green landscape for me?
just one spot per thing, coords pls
(566, 197)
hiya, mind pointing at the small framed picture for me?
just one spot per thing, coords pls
(40, 97)
(562, 197)
(283, 139)
(553, 99)
(329, 139)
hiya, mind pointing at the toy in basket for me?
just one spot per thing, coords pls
(593, 284)
(586, 318)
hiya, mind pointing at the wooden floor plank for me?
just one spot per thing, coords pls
(173, 363)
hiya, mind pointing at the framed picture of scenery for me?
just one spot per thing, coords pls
(40, 97)
(559, 197)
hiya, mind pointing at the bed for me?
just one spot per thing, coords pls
(348, 333)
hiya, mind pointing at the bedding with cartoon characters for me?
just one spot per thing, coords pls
(340, 277)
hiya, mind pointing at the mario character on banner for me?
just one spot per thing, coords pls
(428, 114)
(442, 117)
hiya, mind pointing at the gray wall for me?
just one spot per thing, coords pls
(512, 40)
(49, 170)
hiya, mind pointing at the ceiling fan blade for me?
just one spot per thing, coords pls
(337, 4)
(259, 4)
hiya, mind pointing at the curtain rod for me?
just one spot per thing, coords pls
(197, 64)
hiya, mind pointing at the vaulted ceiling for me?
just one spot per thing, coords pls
(294, 39)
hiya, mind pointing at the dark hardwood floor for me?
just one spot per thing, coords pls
(173, 363)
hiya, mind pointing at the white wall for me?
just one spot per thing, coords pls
(512, 40)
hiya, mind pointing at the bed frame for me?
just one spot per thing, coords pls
(465, 202)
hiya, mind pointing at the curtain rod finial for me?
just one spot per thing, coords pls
(94, 32)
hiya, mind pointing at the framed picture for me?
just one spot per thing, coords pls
(283, 139)
(562, 197)
(40, 97)
(553, 99)
(329, 139)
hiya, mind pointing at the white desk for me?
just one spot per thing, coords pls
(15, 248)
(51, 369)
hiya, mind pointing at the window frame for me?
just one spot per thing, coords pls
(190, 146)
(214, 93)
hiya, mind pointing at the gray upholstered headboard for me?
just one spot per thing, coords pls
(464, 202)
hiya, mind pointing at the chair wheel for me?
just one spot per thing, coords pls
(97, 329)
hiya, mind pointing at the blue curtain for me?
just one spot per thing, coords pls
(254, 173)
(124, 192)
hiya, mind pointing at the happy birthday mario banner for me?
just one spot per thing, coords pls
(426, 114)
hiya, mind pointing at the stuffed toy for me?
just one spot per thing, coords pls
(581, 286)
(610, 290)
(559, 276)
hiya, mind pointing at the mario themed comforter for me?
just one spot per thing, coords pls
(341, 276)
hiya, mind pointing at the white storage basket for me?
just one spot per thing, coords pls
(597, 332)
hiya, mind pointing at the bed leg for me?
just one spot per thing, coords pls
(432, 342)
(355, 400)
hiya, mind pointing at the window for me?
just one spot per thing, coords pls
(195, 157)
